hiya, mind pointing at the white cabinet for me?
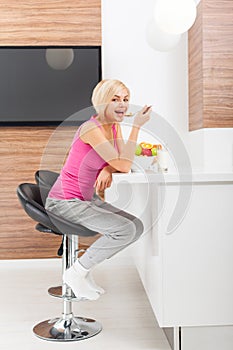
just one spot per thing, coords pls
(198, 260)
(187, 274)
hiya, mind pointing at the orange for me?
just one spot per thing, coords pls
(146, 145)
(158, 146)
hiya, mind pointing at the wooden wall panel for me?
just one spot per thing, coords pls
(20, 155)
(195, 53)
(51, 22)
(212, 45)
(23, 150)
(218, 63)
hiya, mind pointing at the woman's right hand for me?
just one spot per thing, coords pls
(142, 116)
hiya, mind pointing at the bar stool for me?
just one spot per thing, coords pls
(67, 327)
(47, 178)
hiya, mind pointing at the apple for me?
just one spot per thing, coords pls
(154, 151)
(146, 152)
(138, 150)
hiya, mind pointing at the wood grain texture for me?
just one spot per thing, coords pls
(195, 56)
(218, 63)
(214, 54)
(51, 22)
(23, 150)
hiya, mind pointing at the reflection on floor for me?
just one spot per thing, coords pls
(124, 311)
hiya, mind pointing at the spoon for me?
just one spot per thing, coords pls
(131, 114)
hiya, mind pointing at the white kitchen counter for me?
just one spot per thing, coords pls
(152, 177)
(187, 273)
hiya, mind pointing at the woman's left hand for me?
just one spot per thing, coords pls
(103, 180)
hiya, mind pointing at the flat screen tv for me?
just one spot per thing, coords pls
(34, 93)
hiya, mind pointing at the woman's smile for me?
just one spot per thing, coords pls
(121, 113)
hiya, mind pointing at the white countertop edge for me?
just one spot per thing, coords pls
(152, 177)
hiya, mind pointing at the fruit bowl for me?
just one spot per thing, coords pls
(145, 157)
(142, 163)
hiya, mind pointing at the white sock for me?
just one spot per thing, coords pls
(89, 277)
(81, 269)
(92, 283)
(75, 278)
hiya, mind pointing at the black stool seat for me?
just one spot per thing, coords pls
(32, 198)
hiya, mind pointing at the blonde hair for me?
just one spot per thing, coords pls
(104, 92)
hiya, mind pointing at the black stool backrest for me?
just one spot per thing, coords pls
(46, 177)
(32, 198)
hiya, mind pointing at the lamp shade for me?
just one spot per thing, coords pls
(59, 59)
(175, 16)
(159, 40)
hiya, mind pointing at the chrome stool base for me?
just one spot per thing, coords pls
(64, 330)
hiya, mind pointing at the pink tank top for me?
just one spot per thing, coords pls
(80, 171)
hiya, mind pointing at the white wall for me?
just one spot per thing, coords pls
(157, 78)
(216, 147)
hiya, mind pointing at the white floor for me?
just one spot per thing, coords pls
(124, 311)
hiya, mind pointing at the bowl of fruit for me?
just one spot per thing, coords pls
(145, 157)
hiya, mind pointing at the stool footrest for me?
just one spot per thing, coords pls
(57, 293)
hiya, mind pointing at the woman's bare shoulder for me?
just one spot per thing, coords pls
(89, 131)
(87, 126)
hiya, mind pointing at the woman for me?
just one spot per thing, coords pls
(97, 151)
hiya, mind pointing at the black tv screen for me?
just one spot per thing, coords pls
(31, 92)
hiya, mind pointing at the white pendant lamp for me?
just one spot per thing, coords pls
(59, 59)
(175, 16)
(159, 40)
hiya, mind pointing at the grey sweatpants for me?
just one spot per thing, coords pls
(118, 228)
